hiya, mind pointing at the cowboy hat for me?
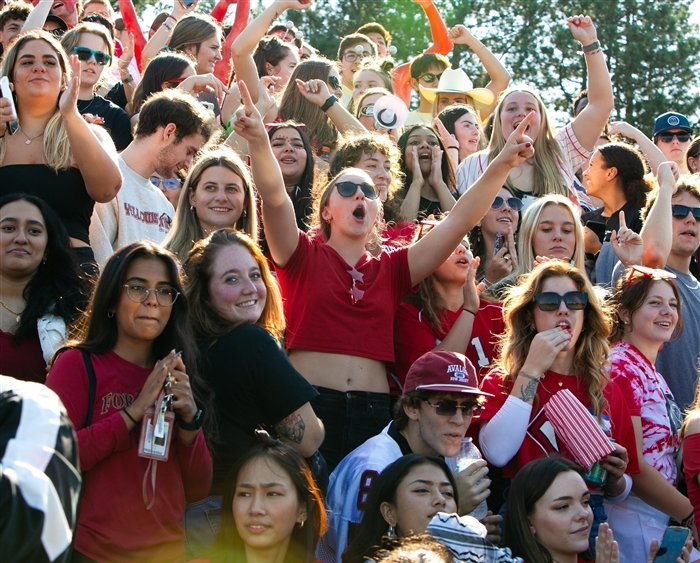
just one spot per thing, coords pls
(457, 82)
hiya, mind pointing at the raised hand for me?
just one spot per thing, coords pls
(544, 348)
(315, 90)
(183, 401)
(622, 128)
(447, 138)
(519, 147)
(6, 115)
(472, 486)
(204, 83)
(667, 174)
(154, 385)
(606, 550)
(459, 34)
(248, 121)
(68, 102)
(128, 54)
(294, 4)
(470, 290)
(415, 169)
(180, 10)
(627, 245)
(435, 179)
(582, 29)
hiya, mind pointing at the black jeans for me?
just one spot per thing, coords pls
(350, 418)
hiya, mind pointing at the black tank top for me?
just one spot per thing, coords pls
(64, 192)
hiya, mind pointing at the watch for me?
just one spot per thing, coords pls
(328, 103)
(195, 424)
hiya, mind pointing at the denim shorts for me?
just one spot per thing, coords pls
(202, 520)
(350, 419)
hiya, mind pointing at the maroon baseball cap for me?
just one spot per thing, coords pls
(443, 372)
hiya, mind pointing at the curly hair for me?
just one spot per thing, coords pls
(631, 171)
(591, 348)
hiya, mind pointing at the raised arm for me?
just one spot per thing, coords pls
(589, 124)
(222, 68)
(162, 36)
(132, 25)
(317, 92)
(401, 76)
(657, 232)
(245, 44)
(500, 77)
(92, 148)
(652, 153)
(428, 253)
(281, 231)
(37, 17)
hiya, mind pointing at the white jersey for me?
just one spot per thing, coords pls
(348, 488)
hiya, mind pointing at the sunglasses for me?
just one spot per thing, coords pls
(334, 82)
(348, 189)
(430, 77)
(550, 301)
(681, 211)
(650, 273)
(668, 137)
(513, 203)
(449, 408)
(272, 127)
(58, 32)
(367, 111)
(84, 54)
(168, 183)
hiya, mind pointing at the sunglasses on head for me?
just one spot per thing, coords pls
(550, 301)
(668, 137)
(513, 202)
(650, 273)
(334, 82)
(681, 211)
(430, 77)
(349, 189)
(168, 183)
(449, 408)
(367, 111)
(84, 54)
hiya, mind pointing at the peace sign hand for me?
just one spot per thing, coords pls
(248, 121)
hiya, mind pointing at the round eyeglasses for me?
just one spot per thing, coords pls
(165, 296)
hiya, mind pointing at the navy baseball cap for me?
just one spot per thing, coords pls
(671, 120)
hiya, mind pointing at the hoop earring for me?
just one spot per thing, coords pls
(110, 314)
(192, 210)
(301, 524)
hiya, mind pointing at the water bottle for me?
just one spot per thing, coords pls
(468, 454)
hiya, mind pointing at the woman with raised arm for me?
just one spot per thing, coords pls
(55, 154)
(341, 301)
(557, 156)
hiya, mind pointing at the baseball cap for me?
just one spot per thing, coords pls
(443, 372)
(671, 120)
(59, 21)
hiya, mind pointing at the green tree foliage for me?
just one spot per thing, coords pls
(653, 52)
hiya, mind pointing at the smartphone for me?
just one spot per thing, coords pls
(12, 126)
(598, 228)
(672, 544)
(498, 243)
(187, 3)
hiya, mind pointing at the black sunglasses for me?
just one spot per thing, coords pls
(449, 408)
(367, 111)
(348, 189)
(681, 211)
(84, 54)
(58, 32)
(513, 202)
(668, 137)
(550, 301)
(334, 82)
(430, 77)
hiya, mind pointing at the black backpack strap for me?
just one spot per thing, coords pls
(92, 385)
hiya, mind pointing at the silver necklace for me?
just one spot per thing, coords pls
(30, 139)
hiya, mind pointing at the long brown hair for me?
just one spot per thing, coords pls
(205, 320)
(591, 348)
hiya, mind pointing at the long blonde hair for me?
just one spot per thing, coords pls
(547, 178)
(55, 145)
(186, 229)
(591, 348)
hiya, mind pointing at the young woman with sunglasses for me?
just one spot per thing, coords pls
(128, 337)
(54, 154)
(493, 238)
(558, 156)
(556, 338)
(364, 110)
(94, 47)
(337, 338)
(217, 194)
(648, 316)
(429, 185)
(171, 187)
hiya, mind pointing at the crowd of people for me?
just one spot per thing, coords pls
(302, 309)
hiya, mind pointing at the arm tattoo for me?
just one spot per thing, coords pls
(528, 392)
(292, 428)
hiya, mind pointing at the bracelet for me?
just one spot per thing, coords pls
(170, 16)
(469, 311)
(592, 47)
(487, 281)
(128, 79)
(131, 418)
(453, 147)
(688, 522)
(166, 26)
(328, 103)
(531, 377)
